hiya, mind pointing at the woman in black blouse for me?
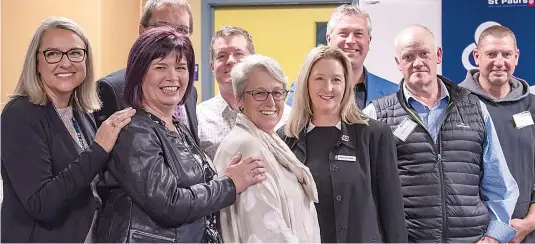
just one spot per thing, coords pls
(352, 158)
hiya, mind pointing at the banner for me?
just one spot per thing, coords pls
(464, 20)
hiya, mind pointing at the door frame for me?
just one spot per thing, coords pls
(207, 29)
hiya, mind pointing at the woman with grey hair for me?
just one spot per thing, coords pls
(280, 209)
(50, 151)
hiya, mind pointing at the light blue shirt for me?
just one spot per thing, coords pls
(431, 117)
(497, 184)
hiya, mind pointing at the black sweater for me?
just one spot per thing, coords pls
(518, 144)
(46, 176)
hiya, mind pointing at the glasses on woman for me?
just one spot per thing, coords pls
(262, 95)
(54, 56)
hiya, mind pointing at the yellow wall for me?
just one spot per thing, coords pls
(118, 31)
(111, 27)
(286, 34)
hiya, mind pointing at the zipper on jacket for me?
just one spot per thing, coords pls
(442, 194)
(153, 236)
(438, 149)
(441, 170)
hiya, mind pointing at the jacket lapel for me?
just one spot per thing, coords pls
(87, 128)
(347, 137)
(373, 91)
(190, 106)
(302, 142)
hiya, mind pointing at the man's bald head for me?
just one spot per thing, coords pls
(414, 35)
(417, 56)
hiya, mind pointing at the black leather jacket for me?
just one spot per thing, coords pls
(155, 190)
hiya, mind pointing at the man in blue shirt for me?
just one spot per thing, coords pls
(350, 29)
(455, 181)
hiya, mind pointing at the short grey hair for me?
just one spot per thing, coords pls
(30, 84)
(242, 70)
(149, 7)
(347, 9)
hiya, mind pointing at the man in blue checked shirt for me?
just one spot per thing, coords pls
(455, 182)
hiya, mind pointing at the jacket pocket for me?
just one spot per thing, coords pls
(137, 236)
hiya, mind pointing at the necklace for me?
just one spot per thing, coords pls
(68, 118)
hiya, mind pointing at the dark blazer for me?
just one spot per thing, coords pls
(110, 92)
(155, 189)
(46, 174)
(369, 206)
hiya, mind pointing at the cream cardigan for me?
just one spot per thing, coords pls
(280, 209)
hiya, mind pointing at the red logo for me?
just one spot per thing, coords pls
(531, 3)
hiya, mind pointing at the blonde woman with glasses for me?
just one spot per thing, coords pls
(352, 158)
(51, 148)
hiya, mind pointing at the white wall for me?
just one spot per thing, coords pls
(388, 18)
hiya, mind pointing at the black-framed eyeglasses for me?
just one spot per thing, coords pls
(54, 56)
(184, 30)
(261, 95)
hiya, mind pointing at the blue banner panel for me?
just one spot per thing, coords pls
(464, 20)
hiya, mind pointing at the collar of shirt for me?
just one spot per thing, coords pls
(360, 87)
(180, 114)
(411, 99)
(216, 119)
(222, 105)
(179, 111)
(365, 74)
(311, 126)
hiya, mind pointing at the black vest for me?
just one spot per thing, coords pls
(440, 181)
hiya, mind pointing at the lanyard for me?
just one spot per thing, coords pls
(76, 127)
(78, 132)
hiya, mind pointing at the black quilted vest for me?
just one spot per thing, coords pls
(440, 181)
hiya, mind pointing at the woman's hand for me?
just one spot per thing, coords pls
(245, 173)
(109, 129)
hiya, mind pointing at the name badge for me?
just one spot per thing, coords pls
(523, 119)
(405, 129)
(346, 158)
